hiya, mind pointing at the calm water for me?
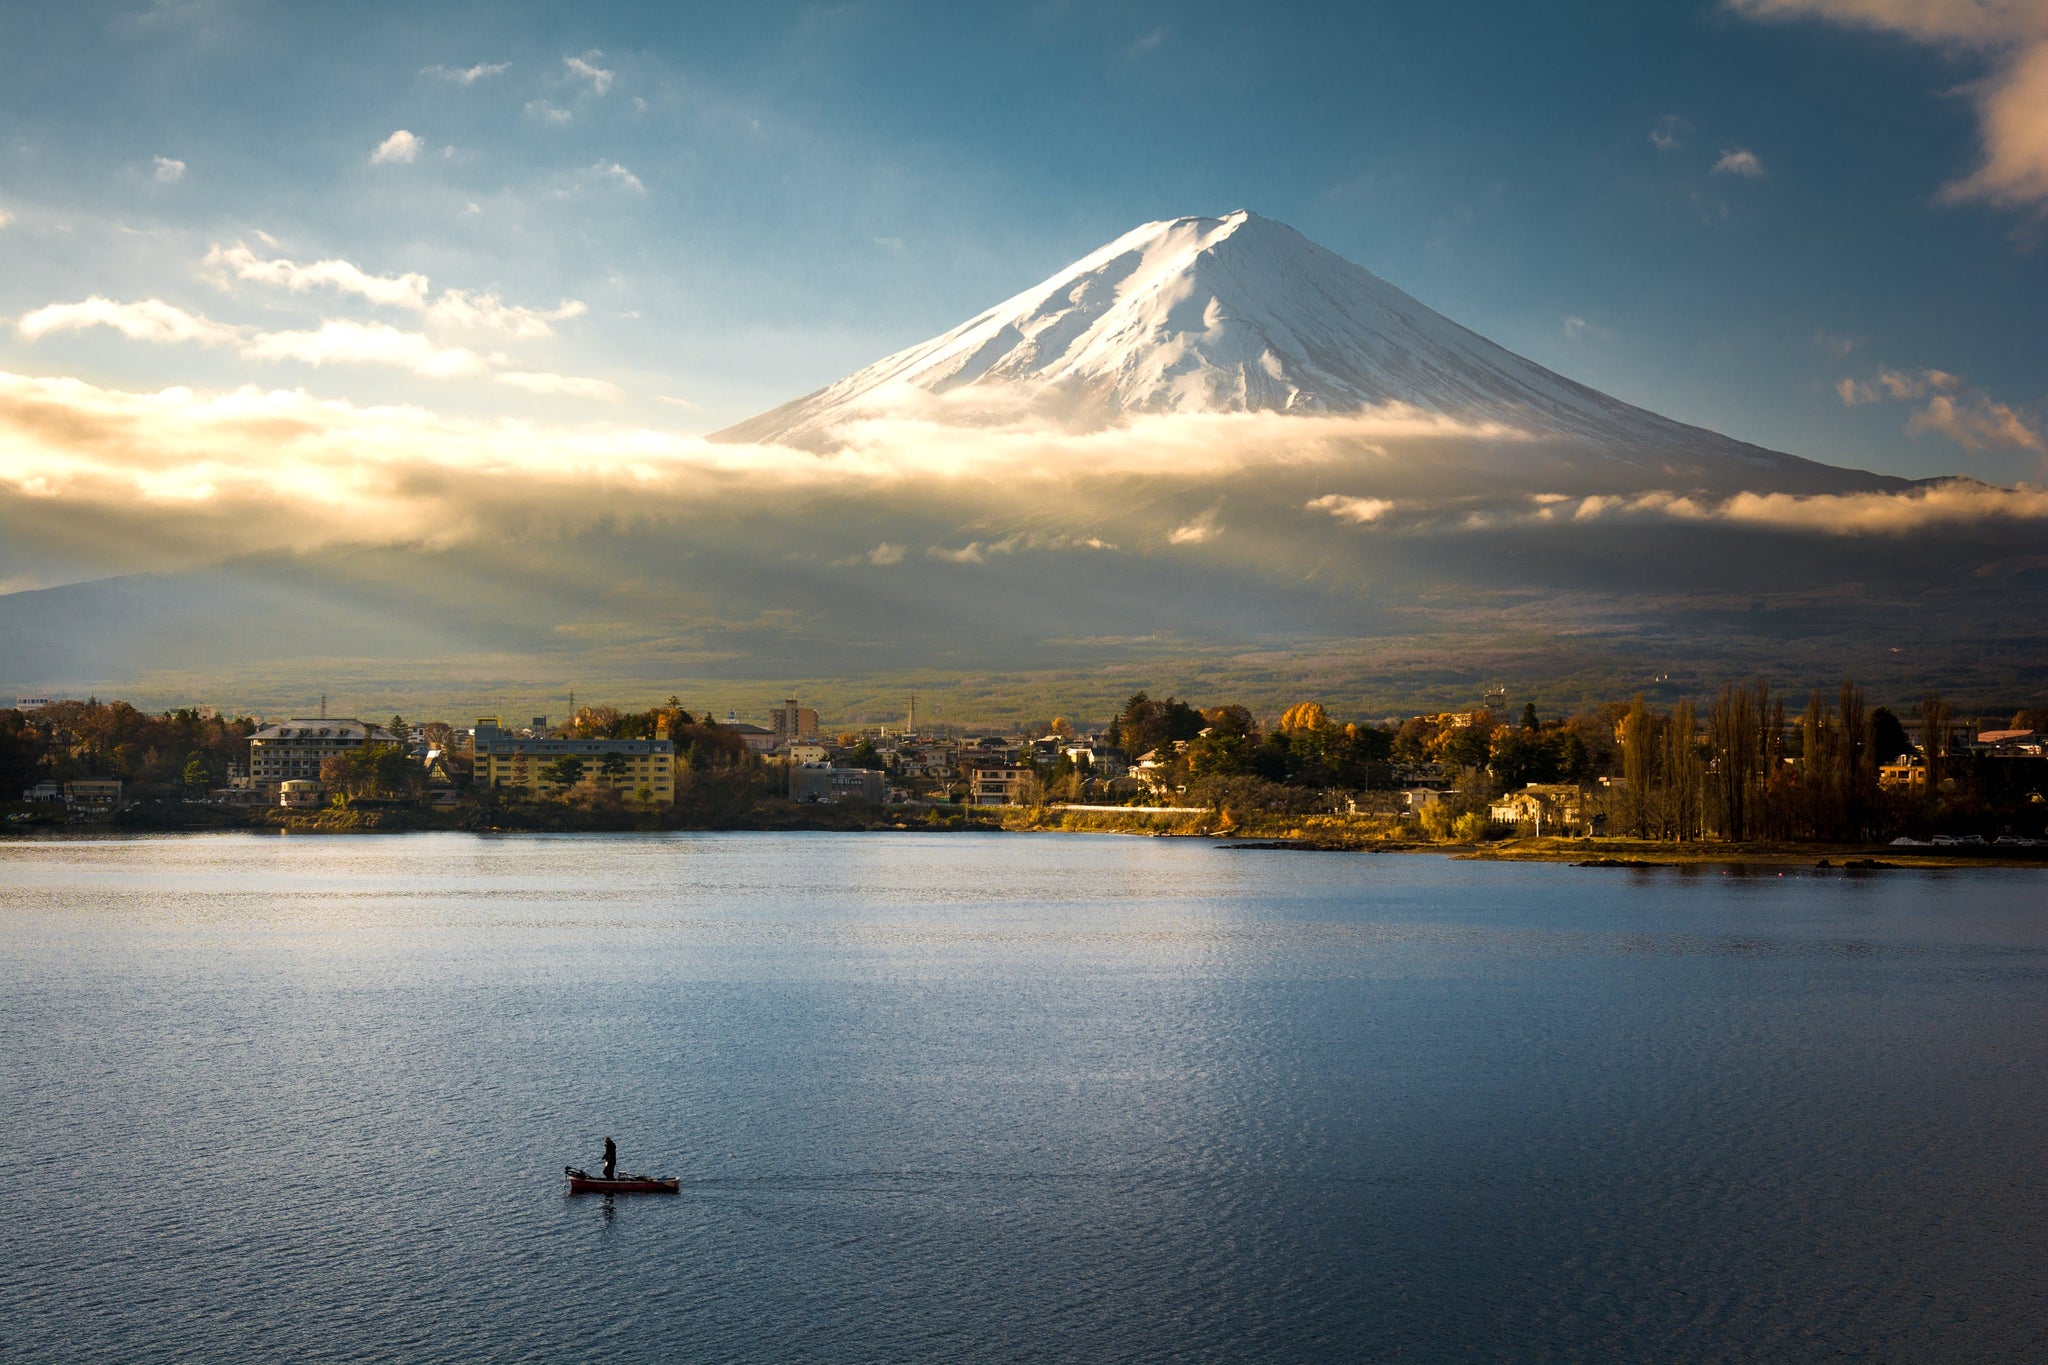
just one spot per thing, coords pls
(1005, 1098)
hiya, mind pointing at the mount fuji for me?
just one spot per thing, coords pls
(1242, 314)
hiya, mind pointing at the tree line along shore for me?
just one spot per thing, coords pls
(1744, 772)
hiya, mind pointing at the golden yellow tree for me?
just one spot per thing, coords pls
(1306, 715)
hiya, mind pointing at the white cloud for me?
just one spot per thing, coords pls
(1357, 511)
(169, 170)
(1739, 161)
(1576, 327)
(547, 112)
(151, 320)
(467, 75)
(889, 243)
(970, 553)
(338, 341)
(562, 386)
(612, 170)
(401, 148)
(586, 67)
(1199, 531)
(885, 554)
(2012, 98)
(683, 403)
(392, 291)
(1668, 133)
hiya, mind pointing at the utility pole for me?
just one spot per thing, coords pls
(323, 706)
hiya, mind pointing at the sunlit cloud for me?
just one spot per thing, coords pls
(464, 311)
(1199, 531)
(467, 75)
(1357, 511)
(1975, 423)
(401, 148)
(1952, 408)
(1957, 502)
(562, 385)
(168, 170)
(2011, 99)
(455, 309)
(1739, 161)
(399, 291)
(340, 341)
(548, 112)
(181, 472)
(151, 320)
(586, 68)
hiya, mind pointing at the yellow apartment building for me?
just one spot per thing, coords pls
(505, 762)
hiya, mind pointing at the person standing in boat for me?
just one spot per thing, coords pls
(611, 1158)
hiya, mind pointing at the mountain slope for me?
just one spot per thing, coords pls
(1243, 314)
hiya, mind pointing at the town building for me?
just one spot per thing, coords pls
(299, 794)
(505, 761)
(813, 782)
(758, 738)
(295, 749)
(2011, 743)
(99, 792)
(1908, 774)
(1541, 807)
(993, 786)
(790, 722)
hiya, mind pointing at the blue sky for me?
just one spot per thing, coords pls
(1742, 215)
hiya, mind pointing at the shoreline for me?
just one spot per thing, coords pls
(1305, 834)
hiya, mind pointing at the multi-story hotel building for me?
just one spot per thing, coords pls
(293, 750)
(791, 722)
(505, 761)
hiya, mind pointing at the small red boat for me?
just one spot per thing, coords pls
(583, 1182)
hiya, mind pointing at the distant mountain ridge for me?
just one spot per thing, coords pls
(1244, 314)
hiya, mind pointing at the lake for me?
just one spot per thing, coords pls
(1005, 1097)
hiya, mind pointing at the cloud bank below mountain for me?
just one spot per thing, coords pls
(103, 480)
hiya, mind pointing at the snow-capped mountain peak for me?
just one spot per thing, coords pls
(1235, 314)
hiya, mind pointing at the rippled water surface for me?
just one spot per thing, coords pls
(1011, 1098)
